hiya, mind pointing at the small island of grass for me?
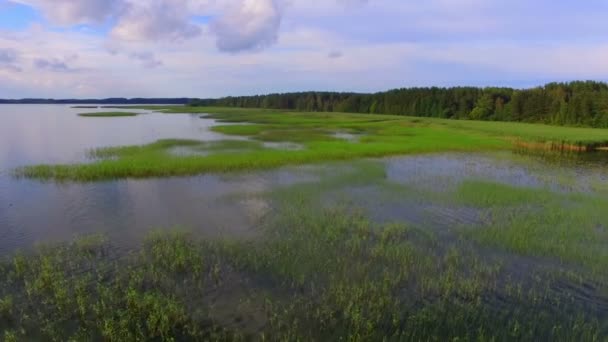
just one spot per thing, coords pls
(107, 114)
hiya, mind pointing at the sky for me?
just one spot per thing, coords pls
(214, 48)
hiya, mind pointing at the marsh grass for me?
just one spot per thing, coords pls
(570, 227)
(509, 130)
(312, 275)
(317, 145)
(107, 114)
(380, 135)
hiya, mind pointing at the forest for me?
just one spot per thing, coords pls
(579, 103)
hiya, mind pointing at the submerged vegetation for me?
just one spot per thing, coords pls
(312, 275)
(107, 114)
(320, 137)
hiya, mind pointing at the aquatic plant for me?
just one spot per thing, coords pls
(331, 275)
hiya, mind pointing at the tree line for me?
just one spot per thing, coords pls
(580, 103)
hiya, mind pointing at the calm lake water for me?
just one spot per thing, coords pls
(33, 211)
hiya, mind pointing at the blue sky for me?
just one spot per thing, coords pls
(211, 48)
(15, 16)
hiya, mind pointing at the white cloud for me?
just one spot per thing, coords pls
(238, 25)
(156, 20)
(349, 45)
(248, 25)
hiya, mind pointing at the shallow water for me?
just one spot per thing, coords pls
(33, 211)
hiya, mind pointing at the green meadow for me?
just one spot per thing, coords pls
(319, 135)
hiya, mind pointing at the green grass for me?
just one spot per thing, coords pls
(107, 114)
(378, 135)
(313, 275)
(559, 219)
(525, 131)
(570, 227)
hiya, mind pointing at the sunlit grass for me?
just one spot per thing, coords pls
(525, 131)
(318, 145)
(377, 136)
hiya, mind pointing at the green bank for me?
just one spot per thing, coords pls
(318, 136)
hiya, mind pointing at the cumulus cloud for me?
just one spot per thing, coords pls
(156, 20)
(320, 45)
(134, 19)
(236, 25)
(248, 25)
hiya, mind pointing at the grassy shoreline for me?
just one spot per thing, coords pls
(317, 133)
(510, 130)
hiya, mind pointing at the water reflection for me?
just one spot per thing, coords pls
(32, 134)
(443, 171)
(32, 211)
(126, 210)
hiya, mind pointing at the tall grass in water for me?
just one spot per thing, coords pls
(569, 227)
(310, 275)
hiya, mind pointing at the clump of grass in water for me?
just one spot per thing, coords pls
(325, 274)
(107, 114)
(82, 292)
(540, 222)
